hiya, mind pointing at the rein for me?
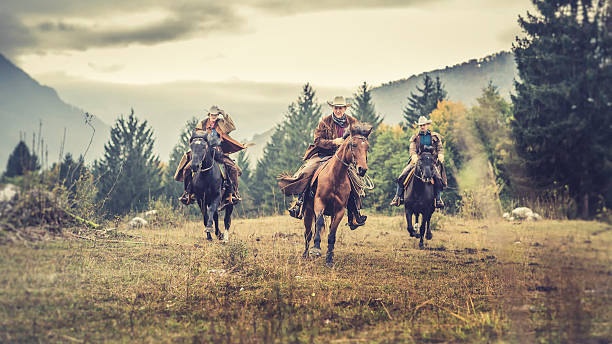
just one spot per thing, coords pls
(211, 164)
(353, 162)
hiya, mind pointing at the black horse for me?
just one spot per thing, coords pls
(207, 184)
(419, 197)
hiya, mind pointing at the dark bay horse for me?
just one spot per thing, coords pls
(333, 189)
(208, 182)
(419, 196)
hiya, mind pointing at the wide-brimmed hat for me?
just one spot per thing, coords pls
(214, 110)
(339, 101)
(423, 120)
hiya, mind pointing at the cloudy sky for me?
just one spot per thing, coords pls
(328, 43)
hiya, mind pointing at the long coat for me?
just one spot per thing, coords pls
(224, 126)
(323, 136)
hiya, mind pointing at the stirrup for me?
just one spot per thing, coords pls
(295, 211)
(354, 224)
(396, 201)
(439, 204)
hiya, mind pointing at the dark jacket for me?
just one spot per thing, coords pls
(323, 136)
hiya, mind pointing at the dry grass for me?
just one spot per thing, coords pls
(476, 282)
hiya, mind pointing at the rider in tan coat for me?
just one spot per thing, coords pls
(220, 126)
(418, 142)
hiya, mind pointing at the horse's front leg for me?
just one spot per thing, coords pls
(409, 227)
(428, 236)
(216, 222)
(210, 212)
(331, 238)
(422, 231)
(319, 225)
(202, 206)
(227, 221)
(308, 217)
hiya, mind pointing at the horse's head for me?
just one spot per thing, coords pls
(213, 140)
(358, 145)
(425, 165)
(199, 146)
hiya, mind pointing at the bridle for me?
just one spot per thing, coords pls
(420, 177)
(212, 163)
(350, 144)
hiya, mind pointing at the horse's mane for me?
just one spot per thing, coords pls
(361, 128)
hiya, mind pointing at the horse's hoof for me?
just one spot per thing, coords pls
(417, 235)
(428, 236)
(329, 263)
(421, 244)
(220, 237)
(305, 255)
(315, 252)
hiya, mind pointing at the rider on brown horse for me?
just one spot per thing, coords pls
(418, 142)
(220, 126)
(328, 136)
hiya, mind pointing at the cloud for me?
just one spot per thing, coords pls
(105, 69)
(13, 35)
(58, 25)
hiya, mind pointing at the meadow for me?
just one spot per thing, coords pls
(476, 281)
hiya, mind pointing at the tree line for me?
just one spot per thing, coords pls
(552, 140)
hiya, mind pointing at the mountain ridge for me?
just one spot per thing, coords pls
(30, 107)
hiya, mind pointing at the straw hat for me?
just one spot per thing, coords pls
(423, 120)
(339, 101)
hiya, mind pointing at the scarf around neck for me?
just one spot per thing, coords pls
(341, 122)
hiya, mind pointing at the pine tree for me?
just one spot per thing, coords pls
(70, 170)
(129, 173)
(425, 100)
(562, 106)
(284, 151)
(21, 161)
(363, 109)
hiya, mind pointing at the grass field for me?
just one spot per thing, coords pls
(476, 281)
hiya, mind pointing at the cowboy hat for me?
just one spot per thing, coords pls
(339, 101)
(423, 121)
(214, 110)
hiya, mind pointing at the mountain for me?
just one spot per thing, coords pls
(254, 106)
(464, 82)
(27, 106)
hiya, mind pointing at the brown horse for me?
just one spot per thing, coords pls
(333, 188)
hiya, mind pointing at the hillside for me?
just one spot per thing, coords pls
(464, 82)
(25, 103)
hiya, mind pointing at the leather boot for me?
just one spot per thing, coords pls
(439, 202)
(296, 208)
(356, 220)
(397, 199)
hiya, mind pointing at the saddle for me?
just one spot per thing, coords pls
(296, 183)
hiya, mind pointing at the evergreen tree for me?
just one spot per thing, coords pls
(284, 151)
(563, 105)
(129, 173)
(246, 206)
(171, 188)
(425, 100)
(70, 170)
(21, 161)
(363, 109)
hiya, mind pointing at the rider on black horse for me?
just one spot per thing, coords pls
(418, 142)
(221, 127)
